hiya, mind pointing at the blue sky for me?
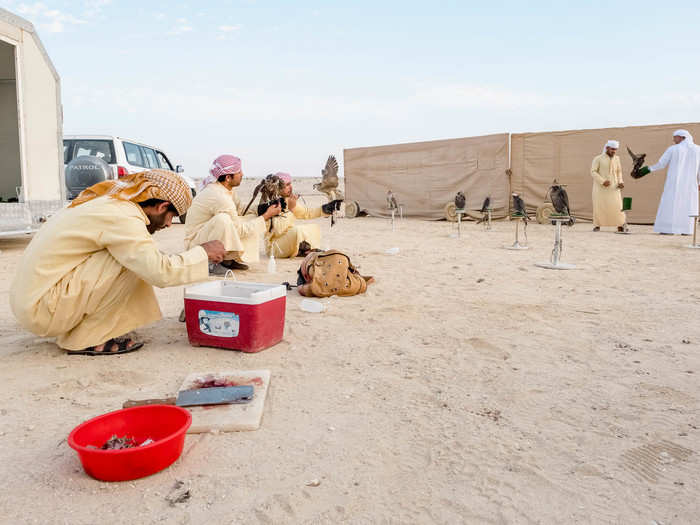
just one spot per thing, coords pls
(283, 84)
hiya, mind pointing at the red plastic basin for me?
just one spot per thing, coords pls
(164, 424)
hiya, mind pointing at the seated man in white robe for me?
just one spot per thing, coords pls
(88, 274)
(284, 237)
(606, 171)
(679, 201)
(216, 214)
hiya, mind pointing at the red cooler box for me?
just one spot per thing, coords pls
(236, 315)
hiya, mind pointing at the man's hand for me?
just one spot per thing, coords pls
(606, 183)
(215, 251)
(620, 186)
(272, 211)
(330, 207)
(642, 171)
(292, 201)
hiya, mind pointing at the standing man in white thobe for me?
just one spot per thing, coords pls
(680, 198)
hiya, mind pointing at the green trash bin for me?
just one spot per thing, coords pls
(626, 203)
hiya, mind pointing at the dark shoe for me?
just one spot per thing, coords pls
(235, 265)
(620, 228)
(596, 229)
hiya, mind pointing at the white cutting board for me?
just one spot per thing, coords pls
(229, 418)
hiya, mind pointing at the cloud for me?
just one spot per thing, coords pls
(93, 8)
(51, 20)
(228, 29)
(182, 27)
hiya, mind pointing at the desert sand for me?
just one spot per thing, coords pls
(466, 386)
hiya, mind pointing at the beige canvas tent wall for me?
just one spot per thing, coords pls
(538, 158)
(31, 163)
(425, 176)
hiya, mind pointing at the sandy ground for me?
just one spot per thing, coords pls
(467, 386)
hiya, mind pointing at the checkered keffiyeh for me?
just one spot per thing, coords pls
(222, 165)
(284, 177)
(139, 187)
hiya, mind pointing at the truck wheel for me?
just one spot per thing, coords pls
(451, 212)
(352, 209)
(544, 211)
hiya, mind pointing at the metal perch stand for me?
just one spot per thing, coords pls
(555, 263)
(460, 213)
(516, 245)
(487, 224)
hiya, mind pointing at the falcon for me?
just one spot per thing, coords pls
(329, 180)
(485, 209)
(270, 188)
(460, 200)
(638, 161)
(560, 201)
(519, 207)
(391, 203)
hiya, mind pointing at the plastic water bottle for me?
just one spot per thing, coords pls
(311, 306)
(392, 251)
(271, 264)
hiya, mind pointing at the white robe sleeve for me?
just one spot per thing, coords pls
(663, 161)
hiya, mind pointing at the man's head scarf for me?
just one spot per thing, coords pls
(684, 133)
(139, 187)
(612, 144)
(285, 177)
(222, 165)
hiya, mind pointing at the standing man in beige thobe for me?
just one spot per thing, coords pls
(607, 183)
(216, 214)
(88, 274)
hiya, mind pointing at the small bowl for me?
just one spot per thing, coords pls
(166, 425)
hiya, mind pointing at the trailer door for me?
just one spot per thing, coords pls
(10, 163)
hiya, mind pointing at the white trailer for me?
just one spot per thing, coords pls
(31, 129)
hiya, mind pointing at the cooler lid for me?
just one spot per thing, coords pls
(226, 291)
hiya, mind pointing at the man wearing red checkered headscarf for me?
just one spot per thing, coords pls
(216, 214)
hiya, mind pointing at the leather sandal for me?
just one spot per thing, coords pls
(111, 347)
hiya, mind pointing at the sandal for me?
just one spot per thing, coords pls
(112, 347)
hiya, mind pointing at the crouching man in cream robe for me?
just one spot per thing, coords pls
(284, 236)
(87, 276)
(606, 171)
(216, 214)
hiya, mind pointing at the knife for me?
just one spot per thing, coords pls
(224, 395)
